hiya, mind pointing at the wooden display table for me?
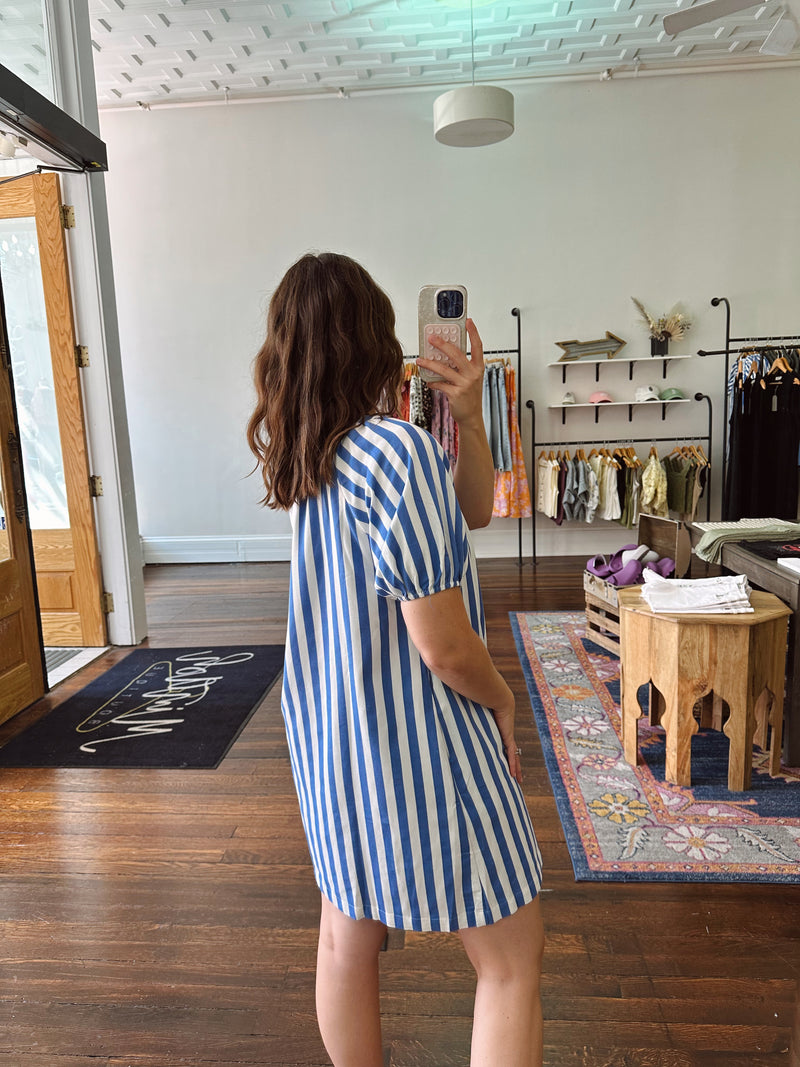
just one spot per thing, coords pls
(767, 575)
(687, 657)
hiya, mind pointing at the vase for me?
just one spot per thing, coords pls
(659, 346)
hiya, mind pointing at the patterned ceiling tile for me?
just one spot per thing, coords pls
(187, 50)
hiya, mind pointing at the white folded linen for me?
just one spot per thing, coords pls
(698, 596)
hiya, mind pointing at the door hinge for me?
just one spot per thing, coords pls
(68, 216)
(96, 485)
(82, 355)
(108, 603)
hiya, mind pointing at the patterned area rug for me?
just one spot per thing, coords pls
(626, 823)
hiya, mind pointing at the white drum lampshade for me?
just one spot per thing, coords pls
(473, 115)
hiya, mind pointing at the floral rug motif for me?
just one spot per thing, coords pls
(626, 823)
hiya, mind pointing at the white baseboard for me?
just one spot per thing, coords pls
(489, 543)
(496, 541)
(234, 549)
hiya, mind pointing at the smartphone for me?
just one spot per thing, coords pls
(442, 311)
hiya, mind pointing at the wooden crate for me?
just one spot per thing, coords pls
(602, 622)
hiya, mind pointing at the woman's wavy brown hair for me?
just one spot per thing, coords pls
(330, 360)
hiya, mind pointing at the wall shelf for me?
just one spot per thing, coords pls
(629, 404)
(629, 360)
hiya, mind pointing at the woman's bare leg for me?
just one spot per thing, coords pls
(507, 957)
(348, 1009)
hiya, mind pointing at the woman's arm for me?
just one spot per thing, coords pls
(440, 629)
(473, 476)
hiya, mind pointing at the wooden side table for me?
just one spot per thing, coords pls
(686, 657)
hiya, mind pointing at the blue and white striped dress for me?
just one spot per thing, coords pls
(411, 814)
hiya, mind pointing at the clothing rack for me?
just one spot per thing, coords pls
(617, 440)
(749, 343)
(518, 353)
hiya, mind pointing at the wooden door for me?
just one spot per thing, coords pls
(21, 666)
(33, 265)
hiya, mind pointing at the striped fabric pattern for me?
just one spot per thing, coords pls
(410, 812)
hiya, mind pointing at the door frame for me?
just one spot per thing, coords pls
(91, 262)
(39, 196)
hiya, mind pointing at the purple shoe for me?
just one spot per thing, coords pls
(664, 567)
(602, 567)
(631, 574)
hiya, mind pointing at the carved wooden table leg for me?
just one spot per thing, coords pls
(634, 672)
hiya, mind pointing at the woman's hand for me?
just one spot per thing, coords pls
(504, 717)
(462, 378)
(462, 383)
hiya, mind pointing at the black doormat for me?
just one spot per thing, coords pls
(158, 707)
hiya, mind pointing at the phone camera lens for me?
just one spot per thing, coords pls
(449, 304)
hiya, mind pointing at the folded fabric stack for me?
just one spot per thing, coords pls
(627, 566)
(717, 534)
(698, 596)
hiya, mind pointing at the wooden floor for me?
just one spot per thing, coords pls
(165, 918)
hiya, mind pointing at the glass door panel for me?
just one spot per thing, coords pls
(25, 45)
(32, 369)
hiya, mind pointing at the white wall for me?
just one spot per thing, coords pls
(668, 189)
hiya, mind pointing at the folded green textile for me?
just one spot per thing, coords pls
(709, 547)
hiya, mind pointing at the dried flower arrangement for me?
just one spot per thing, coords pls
(670, 327)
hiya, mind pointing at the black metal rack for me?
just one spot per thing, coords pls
(618, 440)
(784, 340)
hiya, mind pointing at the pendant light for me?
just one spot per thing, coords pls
(473, 115)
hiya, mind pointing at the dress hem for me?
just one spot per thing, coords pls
(428, 923)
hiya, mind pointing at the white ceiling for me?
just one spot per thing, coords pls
(151, 52)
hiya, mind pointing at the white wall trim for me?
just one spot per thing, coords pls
(266, 548)
(233, 549)
(94, 305)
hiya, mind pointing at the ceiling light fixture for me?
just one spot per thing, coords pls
(473, 115)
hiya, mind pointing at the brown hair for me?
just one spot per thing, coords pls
(330, 360)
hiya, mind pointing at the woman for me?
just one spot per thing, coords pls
(400, 729)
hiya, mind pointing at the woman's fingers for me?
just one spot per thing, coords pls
(456, 360)
(476, 344)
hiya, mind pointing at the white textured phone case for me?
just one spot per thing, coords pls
(433, 299)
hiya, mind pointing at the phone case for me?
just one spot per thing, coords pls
(430, 321)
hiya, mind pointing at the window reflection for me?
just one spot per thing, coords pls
(32, 370)
(24, 44)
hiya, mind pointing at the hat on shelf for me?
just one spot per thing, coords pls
(600, 398)
(568, 398)
(646, 392)
(672, 394)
